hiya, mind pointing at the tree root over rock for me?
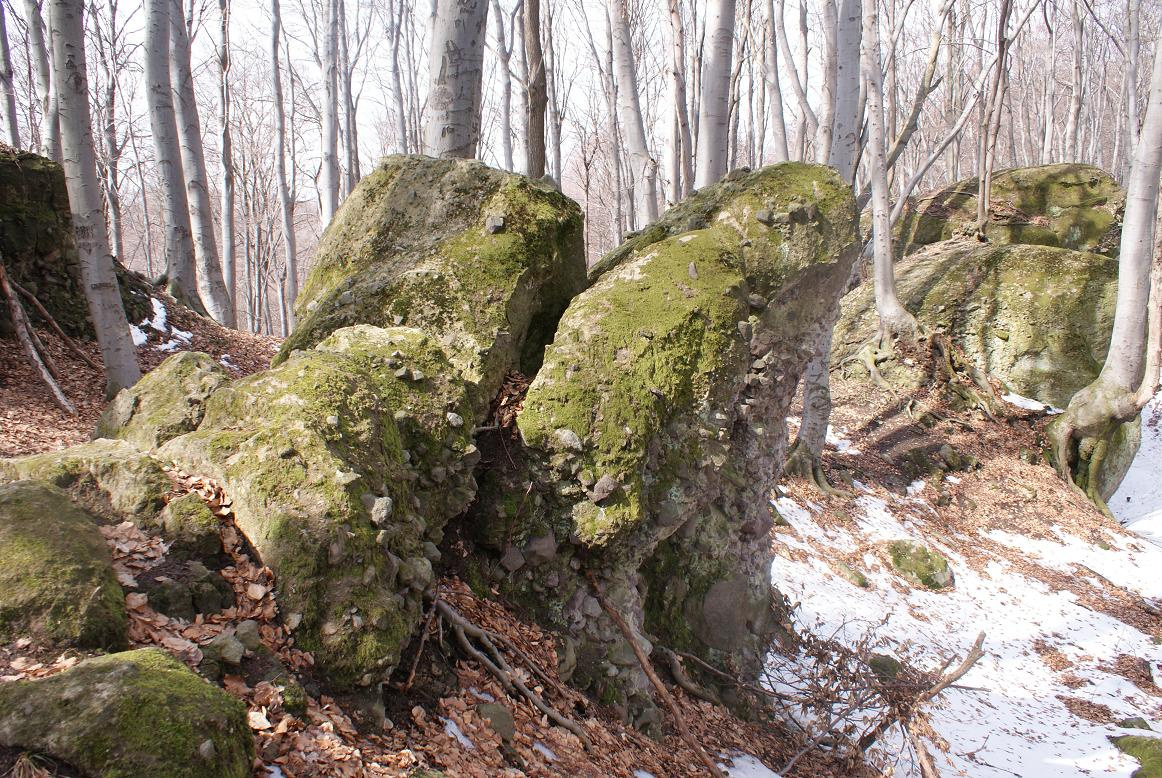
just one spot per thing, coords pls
(800, 462)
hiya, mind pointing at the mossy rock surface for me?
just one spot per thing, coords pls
(128, 715)
(37, 244)
(920, 565)
(342, 463)
(1147, 750)
(1066, 205)
(481, 259)
(57, 583)
(109, 477)
(167, 402)
(655, 428)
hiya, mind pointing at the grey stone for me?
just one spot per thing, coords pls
(512, 560)
(381, 509)
(499, 719)
(494, 224)
(605, 486)
(346, 298)
(541, 549)
(224, 648)
(248, 635)
(568, 439)
(454, 419)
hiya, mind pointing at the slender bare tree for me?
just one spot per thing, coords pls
(844, 137)
(80, 163)
(226, 143)
(49, 122)
(329, 170)
(682, 173)
(538, 88)
(179, 250)
(456, 74)
(7, 86)
(286, 204)
(211, 288)
(714, 106)
(644, 171)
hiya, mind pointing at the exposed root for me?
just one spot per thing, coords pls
(674, 662)
(492, 659)
(802, 463)
(969, 386)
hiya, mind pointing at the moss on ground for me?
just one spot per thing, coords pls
(920, 565)
(129, 715)
(57, 584)
(1147, 750)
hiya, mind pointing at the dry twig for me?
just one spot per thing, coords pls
(28, 341)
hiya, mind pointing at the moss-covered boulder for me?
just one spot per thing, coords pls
(1067, 205)
(482, 260)
(920, 564)
(344, 463)
(1147, 750)
(167, 402)
(654, 431)
(128, 715)
(1037, 317)
(109, 477)
(36, 241)
(57, 584)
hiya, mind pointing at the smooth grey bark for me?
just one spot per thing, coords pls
(80, 165)
(290, 286)
(456, 73)
(714, 106)
(7, 90)
(991, 122)
(826, 113)
(778, 122)
(352, 172)
(1076, 86)
(179, 249)
(894, 319)
(329, 167)
(504, 62)
(226, 143)
(396, 33)
(682, 172)
(808, 119)
(211, 287)
(537, 89)
(49, 121)
(644, 171)
(846, 121)
(556, 119)
(1133, 48)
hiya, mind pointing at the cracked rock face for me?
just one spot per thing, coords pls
(674, 372)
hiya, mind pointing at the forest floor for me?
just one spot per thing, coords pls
(1070, 603)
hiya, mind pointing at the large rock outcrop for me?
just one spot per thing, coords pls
(655, 430)
(129, 715)
(1038, 318)
(57, 584)
(346, 459)
(37, 246)
(1066, 205)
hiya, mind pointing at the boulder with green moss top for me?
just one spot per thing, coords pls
(920, 564)
(481, 259)
(191, 528)
(37, 244)
(1036, 317)
(654, 431)
(167, 402)
(344, 463)
(1147, 750)
(1067, 205)
(57, 584)
(109, 477)
(127, 715)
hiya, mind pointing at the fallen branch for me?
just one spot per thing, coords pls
(44, 314)
(28, 340)
(494, 662)
(663, 692)
(684, 681)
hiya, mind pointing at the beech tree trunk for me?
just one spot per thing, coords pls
(504, 62)
(714, 107)
(211, 288)
(644, 171)
(290, 285)
(7, 88)
(682, 174)
(456, 72)
(778, 122)
(827, 87)
(329, 167)
(179, 249)
(49, 122)
(538, 89)
(846, 121)
(229, 247)
(80, 164)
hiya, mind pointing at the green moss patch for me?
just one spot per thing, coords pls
(920, 565)
(129, 715)
(1147, 750)
(57, 584)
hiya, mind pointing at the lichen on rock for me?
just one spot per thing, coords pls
(1067, 205)
(57, 584)
(127, 715)
(655, 427)
(110, 477)
(418, 244)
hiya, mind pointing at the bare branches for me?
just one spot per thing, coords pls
(38, 357)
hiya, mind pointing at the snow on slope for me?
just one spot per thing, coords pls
(1138, 501)
(1045, 649)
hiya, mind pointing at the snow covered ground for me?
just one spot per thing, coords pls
(1138, 501)
(1054, 666)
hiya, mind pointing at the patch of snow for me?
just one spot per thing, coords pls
(160, 317)
(916, 487)
(544, 750)
(140, 338)
(1138, 501)
(482, 695)
(951, 479)
(186, 336)
(642, 774)
(1006, 716)
(169, 345)
(453, 729)
(274, 771)
(1029, 404)
(224, 361)
(842, 445)
(747, 766)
